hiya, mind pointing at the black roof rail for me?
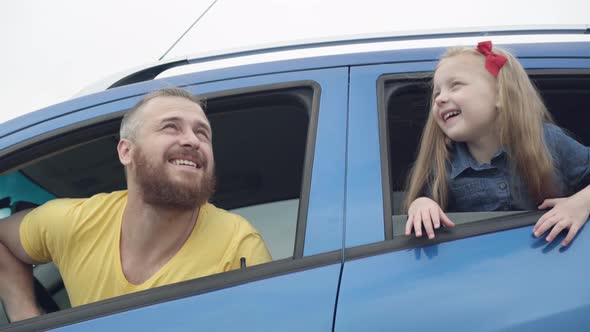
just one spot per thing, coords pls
(147, 74)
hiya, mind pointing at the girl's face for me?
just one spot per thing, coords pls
(465, 99)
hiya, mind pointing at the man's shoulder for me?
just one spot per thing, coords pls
(79, 208)
(101, 198)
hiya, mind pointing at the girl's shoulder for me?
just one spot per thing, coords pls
(562, 145)
(552, 130)
(555, 135)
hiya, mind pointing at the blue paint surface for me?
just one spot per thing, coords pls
(505, 281)
(302, 301)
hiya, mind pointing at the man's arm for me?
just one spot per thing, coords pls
(16, 278)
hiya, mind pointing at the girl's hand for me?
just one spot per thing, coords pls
(424, 211)
(566, 213)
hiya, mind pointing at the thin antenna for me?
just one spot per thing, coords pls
(187, 30)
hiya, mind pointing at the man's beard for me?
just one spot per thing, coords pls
(158, 190)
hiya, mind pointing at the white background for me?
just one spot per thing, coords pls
(52, 49)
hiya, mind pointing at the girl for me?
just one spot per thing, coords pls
(490, 144)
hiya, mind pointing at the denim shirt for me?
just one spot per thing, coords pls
(495, 186)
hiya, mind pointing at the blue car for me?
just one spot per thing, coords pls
(313, 144)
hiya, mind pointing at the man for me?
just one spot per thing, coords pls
(160, 230)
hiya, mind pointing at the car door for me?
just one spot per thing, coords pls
(488, 274)
(295, 292)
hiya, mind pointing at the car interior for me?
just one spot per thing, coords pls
(259, 141)
(566, 94)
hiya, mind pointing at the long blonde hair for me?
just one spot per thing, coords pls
(521, 115)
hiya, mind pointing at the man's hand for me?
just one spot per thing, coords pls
(566, 213)
(424, 211)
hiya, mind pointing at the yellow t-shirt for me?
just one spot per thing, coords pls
(82, 236)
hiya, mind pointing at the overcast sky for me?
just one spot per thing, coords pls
(53, 49)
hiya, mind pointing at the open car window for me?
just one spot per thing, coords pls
(260, 140)
(405, 103)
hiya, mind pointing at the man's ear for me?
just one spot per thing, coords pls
(124, 149)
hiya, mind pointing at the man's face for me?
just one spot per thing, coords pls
(172, 158)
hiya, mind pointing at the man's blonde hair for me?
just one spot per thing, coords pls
(521, 116)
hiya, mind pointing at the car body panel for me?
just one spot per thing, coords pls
(302, 301)
(364, 200)
(312, 291)
(504, 281)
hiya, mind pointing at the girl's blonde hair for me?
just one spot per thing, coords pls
(521, 115)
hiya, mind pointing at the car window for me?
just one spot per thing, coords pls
(405, 101)
(18, 192)
(259, 139)
(278, 236)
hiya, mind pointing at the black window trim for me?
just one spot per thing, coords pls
(384, 143)
(53, 142)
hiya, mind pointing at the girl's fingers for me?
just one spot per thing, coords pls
(409, 224)
(544, 205)
(434, 213)
(418, 224)
(549, 203)
(542, 221)
(425, 220)
(428, 224)
(546, 225)
(570, 235)
(555, 231)
(445, 220)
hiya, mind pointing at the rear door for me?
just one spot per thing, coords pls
(487, 274)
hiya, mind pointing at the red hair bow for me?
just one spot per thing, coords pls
(494, 61)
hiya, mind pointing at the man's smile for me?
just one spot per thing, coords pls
(186, 163)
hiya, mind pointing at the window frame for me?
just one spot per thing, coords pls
(480, 227)
(54, 141)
